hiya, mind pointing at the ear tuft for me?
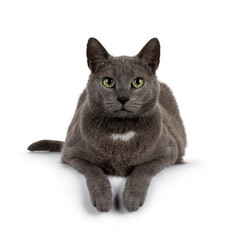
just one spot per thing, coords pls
(150, 54)
(96, 54)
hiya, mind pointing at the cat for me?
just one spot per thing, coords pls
(126, 123)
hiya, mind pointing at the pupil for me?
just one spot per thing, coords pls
(109, 81)
(138, 81)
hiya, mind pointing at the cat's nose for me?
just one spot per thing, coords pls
(123, 100)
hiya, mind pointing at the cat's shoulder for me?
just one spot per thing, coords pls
(167, 99)
(82, 98)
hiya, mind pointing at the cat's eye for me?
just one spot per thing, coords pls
(108, 82)
(137, 83)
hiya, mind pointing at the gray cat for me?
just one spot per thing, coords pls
(127, 123)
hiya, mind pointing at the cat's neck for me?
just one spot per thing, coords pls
(123, 125)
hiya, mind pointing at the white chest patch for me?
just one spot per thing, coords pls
(123, 136)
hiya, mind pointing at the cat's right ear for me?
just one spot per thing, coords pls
(96, 54)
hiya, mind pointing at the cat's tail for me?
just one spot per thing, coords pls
(46, 145)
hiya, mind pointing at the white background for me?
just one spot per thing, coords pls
(43, 70)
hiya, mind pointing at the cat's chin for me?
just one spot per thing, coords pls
(123, 113)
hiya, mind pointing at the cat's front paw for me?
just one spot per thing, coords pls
(102, 199)
(133, 200)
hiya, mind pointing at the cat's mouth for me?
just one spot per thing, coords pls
(124, 109)
(123, 112)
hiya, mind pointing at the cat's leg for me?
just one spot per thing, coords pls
(137, 183)
(98, 184)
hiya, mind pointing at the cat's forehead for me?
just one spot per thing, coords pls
(123, 65)
(123, 60)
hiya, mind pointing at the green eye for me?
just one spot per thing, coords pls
(108, 82)
(137, 83)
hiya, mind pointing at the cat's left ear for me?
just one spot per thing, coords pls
(96, 54)
(150, 54)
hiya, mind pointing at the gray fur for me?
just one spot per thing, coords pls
(151, 113)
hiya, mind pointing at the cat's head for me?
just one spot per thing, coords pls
(124, 87)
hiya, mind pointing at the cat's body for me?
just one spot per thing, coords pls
(92, 137)
(136, 135)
